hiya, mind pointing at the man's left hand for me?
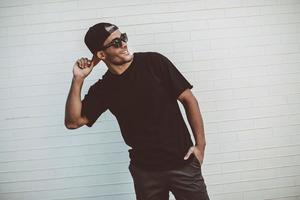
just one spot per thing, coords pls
(197, 151)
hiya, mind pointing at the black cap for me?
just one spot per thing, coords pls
(97, 34)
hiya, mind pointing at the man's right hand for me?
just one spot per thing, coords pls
(83, 67)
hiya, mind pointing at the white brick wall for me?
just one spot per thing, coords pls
(242, 56)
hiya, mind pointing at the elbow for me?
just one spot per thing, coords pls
(70, 125)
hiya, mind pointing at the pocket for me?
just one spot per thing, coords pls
(196, 162)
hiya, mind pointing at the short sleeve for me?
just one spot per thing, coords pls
(94, 103)
(174, 80)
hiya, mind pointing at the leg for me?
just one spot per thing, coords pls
(187, 183)
(149, 185)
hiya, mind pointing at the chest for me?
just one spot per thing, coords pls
(137, 93)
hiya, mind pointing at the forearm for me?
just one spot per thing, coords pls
(73, 104)
(196, 122)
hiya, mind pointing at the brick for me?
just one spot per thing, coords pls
(241, 56)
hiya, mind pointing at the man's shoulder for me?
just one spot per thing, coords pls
(152, 57)
(99, 85)
(149, 54)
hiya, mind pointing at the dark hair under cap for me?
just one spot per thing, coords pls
(97, 34)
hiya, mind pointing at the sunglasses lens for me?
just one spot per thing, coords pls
(117, 43)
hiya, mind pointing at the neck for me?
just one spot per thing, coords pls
(118, 69)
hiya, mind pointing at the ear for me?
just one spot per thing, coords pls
(100, 55)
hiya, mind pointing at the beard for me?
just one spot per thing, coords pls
(119, 60)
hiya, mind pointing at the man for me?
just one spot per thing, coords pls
(141, 90)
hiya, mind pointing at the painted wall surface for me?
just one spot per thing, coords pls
(241, 56)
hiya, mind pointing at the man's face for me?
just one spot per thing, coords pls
(117, 56)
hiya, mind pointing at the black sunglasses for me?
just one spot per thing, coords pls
(117, 42)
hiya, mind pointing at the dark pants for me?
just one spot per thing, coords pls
(185, 183)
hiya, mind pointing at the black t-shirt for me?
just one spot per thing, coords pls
(144, 101)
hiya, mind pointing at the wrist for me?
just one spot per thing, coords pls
(78, 79)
